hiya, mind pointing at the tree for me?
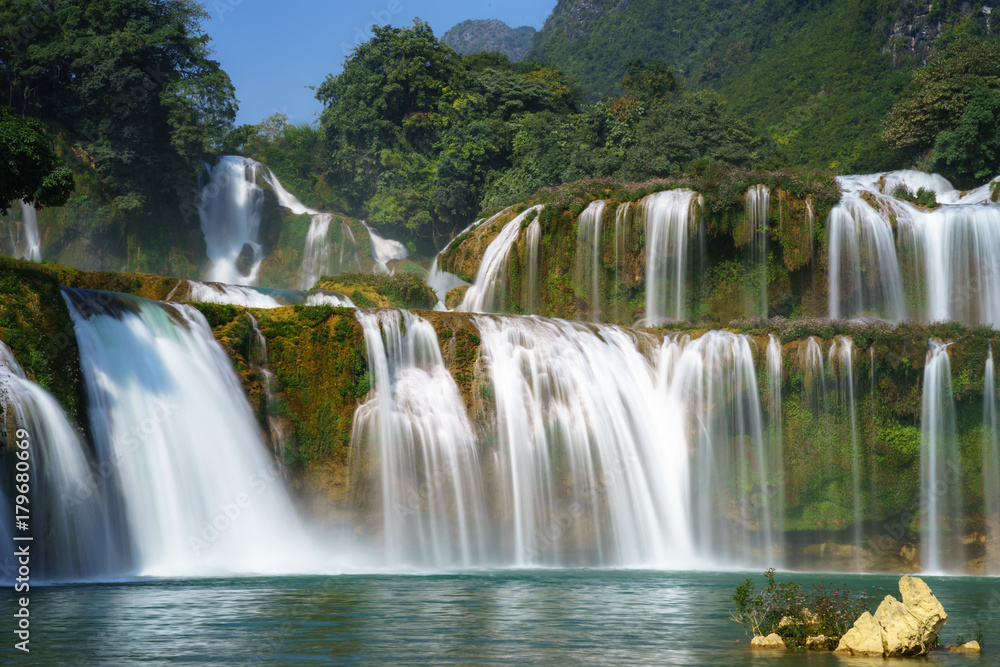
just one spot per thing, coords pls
(130, 81)
(941, 91)
(970, 153)
(29, 167)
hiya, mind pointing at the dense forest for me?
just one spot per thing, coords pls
(121, 101)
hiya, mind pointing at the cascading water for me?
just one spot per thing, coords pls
(230, 211)
(66, 508)
(810, 358)
(623, 236)
(940, 468)
(842, 361)
(488, 292)
(385, 250)
(276, 423)
(32, 243)
(758, 211)
(199, 492)
(254, 297)
(413, 434)
(774, 379)
(316, 254)
(588, 257)
(948, 257)
(668, 220)
(991, 466)
(865, 277)
(533, 247)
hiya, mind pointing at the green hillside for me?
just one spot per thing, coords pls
(819, 76)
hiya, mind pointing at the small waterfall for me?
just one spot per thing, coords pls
(955, 254)
(810, 358)
(622, 237)
(758, 211)
(254, 297)
(865, 277)
(413, 435)
(940, 469)
(533, 243)
(32, 243)
(316, 254)
(774, 369)
(811, 216)
(68, 515)
(488, 292)
(199, 492)
(668, 219)
(842, 360)
(442, 282)
(385, 250)
(991, 466)
(948, 258)
(230, 211)
(588, 257)
(276, 423)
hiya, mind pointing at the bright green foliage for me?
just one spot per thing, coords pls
(816, 74)
(941, 92)
(130, 81)
(970, 153)
(29, 167)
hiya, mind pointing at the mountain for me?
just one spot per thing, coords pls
(490, 35)
(819, 75)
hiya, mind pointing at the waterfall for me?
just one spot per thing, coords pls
(276, 422)
(200, 494)
(316, 254)
(67, 501)
(811, 216)
(442, 282)
(622, 238)
(842, 359)
(588, 257)
(488, 292)
(533, 243)
(774, 369)
(955, 254)
(948, 258)
(865, 277)
(230, 211)
(810, 358)
(758, 211)
(991, 466)
(668, 219)
(940, 469)
(32, 249)
(254, 297)
(385, 250)
(414, 435)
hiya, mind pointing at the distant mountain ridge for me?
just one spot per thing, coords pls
(475, 36)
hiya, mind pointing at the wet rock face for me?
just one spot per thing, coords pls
(898, 629)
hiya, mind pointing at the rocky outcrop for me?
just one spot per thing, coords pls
(820, 643)
(772, 641)
(968, 647)
(475, 36)
(864, 639)
(898, 629)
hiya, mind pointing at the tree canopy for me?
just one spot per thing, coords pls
(30, 169)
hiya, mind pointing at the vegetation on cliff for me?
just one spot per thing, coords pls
(490, 35)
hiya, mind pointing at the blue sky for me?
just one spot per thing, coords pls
(274, 50)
